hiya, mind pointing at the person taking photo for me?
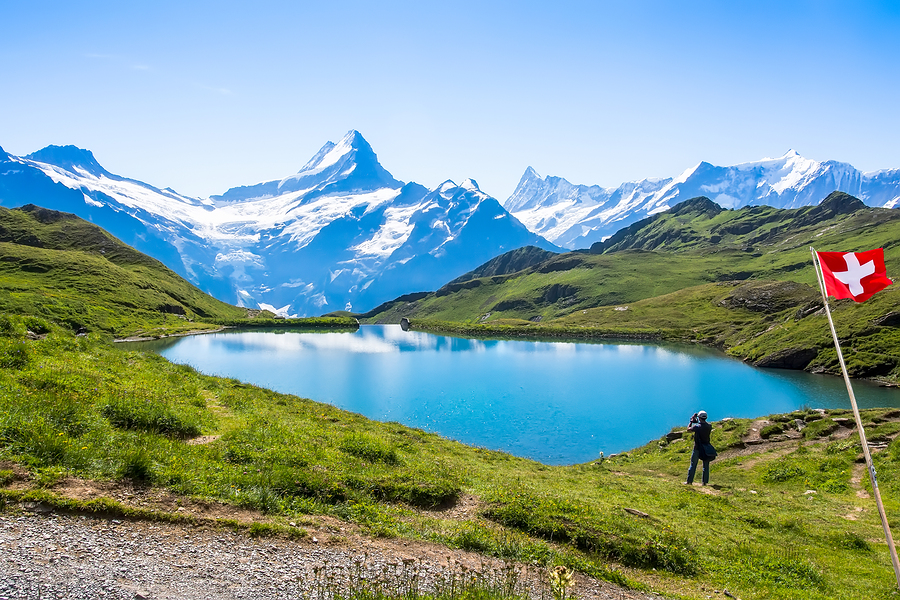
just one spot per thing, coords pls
(702, 448)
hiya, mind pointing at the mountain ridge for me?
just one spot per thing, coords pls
(575, 216)
(341, 232)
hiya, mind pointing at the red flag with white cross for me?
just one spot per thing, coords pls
(857, 275)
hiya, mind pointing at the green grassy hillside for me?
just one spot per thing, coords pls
(741, 280)
(786, 517)
(60, 267)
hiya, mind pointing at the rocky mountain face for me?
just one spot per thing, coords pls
(576, 216)
(341, 233)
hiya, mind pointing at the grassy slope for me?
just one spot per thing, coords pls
(78, 406)
(62, 268)
(684, 288)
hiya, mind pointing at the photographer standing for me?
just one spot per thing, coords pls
(701, 430)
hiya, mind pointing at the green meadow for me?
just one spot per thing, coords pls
(787, 516)
(782, 520)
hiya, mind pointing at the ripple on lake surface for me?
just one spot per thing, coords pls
(557, 402)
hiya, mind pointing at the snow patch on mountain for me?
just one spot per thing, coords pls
(340, 232)
(575, 216)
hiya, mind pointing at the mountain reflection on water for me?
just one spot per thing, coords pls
(557, 402)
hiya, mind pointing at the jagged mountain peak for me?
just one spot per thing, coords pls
(470, 185)
(318, 157)
(529, 175)
(332, 153)
(467, 192)
(447, 188)
(69, 158)
(350, 165)
(575, 216)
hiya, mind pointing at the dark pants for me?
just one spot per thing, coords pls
(694, 458)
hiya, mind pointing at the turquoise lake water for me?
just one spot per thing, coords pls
(556, 402)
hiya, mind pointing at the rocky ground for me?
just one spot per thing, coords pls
(48, 555)
(44, 555)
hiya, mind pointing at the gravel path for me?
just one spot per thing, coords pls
(54, 556)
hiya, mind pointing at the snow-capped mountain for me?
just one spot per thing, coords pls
(575, 216)
(340, 233)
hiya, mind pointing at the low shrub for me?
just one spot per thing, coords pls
(263, 530)
(840, 446)
(370, 448)
(758, 567)
(7, 476)
(851, 540)
(473, 537)
(616, 539)
(10, 327)
(780, 471)
(36, 325)
(14, 354)
(137, 465)
(318, 484)
(40, 441)
(150, 416)
(770, 430)
(425, 493)
(821, 428)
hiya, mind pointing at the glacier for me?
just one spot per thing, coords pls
(342, 233)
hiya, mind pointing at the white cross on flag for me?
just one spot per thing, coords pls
(857, 275)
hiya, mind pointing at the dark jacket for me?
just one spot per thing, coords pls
(701, 431)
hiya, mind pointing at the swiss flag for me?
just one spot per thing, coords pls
(856, 275)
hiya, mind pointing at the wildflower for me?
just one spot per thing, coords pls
(561, 578)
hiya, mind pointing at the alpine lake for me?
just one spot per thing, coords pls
(556, 402)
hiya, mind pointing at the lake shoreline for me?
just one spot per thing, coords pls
(512, 386)
(550, 333)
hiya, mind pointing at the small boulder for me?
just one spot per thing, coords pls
(892, 319)
(789, 358)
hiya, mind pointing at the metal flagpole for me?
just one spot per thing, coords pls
(859, 425)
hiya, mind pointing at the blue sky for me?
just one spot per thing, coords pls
(204, 96)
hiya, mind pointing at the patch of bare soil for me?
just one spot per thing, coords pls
(464, 509)
(203, 439)
(323, 532)
(763, 451)
(19, 472)
(154, 499)
(859, 471)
